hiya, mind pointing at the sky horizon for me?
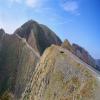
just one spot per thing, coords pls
(75, 20)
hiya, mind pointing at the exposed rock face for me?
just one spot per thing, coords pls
(66, 44)
(17, 63)
(98, 64)
(62, 76)
(79, 52)
(38, 36)
(83, 55)
(58, 74)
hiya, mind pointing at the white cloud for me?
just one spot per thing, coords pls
(34, 3)
(29, 3)
(15, 1)
(71, 6)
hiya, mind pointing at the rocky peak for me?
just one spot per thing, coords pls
(30, 22)
(66, 44)
(37, 36)
(26, 29)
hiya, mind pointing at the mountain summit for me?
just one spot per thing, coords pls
(38, 36)
(36, 65)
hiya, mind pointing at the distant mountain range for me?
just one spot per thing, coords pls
(36, 65)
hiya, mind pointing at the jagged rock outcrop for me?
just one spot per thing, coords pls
(17, 63)
(83, 55)
(79, 52)
(38, 36)
(60, 75)
(66, 44)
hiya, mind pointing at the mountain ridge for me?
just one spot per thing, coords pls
(15, 56)
(36, 65)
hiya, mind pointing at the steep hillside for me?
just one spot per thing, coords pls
(98, 64)
(38, 36)
(31, 68)
(17, 63)
(62, 76)
(84, 55)
(80, 52)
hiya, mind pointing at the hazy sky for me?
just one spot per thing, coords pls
(76, 20)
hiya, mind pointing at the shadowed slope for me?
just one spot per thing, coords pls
(17, 64)
(38, 36)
